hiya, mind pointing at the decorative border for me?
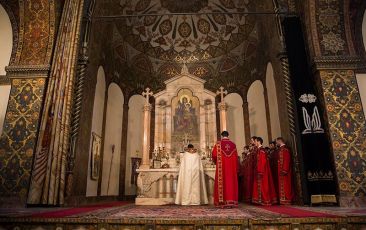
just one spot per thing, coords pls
(27, 71)
(336, 62)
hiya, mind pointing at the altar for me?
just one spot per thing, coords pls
(185, 113)
(158, 186)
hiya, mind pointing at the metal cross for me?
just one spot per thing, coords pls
(147, 95)
(221, 92)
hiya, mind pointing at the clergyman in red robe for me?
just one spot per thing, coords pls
(225, 156)
(247, 171)
(284, 169)
(264, 192)
(273, 161)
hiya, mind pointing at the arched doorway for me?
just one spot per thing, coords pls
(272, 102)
(235, 119)
(257, 111)
(6, 45)
(361, 78)
(96, 131)
(134, 139)
(112, 142)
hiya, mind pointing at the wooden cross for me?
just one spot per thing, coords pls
(147, 95)
(221, 92)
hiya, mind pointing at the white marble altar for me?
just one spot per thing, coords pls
(158, 186)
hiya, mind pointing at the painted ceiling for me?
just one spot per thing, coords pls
(215, 38)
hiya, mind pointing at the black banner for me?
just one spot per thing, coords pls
(318, 161)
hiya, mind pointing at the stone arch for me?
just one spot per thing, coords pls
(272, 102)
(97, 127)
(235, 119)
(257, 111)
(112, 142)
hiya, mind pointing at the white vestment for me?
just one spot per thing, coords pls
(191, 189)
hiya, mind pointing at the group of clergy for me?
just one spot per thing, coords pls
(265, 175)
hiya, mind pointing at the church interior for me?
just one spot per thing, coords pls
(99, 99)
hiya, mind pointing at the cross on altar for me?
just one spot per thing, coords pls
(186, 141)
(221, 92)
(147, 95)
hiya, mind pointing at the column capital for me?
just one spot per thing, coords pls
(222, 106)
(147, 107)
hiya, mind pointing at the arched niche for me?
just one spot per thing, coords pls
(257, 111)
(112, 142)
(361, 78)
(134, 139)
(6, 45)
(272, 102)
(6, 40)
(96, 129)
(235, 119)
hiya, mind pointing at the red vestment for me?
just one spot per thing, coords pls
(273, 158)
(247, 171)
(264, 192)
(225, 156)
(284, 169)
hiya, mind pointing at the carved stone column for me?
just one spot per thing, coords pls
(223, 115)
(222, 109)
(146, 142)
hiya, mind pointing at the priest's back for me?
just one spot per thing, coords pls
(191, 189)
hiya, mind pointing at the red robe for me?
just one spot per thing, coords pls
(273, 158)
(284, 170)
(247, 172)
(264, 192)
(225, 156)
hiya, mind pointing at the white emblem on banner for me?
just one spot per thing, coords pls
(307, 98)
(313, 124)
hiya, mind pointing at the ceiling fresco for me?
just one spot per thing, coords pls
(216, 39)
(163, 35)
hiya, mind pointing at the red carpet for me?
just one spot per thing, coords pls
(78, 210)
(296, 212)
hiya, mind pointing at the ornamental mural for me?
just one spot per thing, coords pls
(164, 35)
(220, 47)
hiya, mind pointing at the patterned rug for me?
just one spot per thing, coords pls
(172, 212)
(129, 211)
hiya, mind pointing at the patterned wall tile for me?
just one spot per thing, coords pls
(19, 136)
(37, 29)
(347, 127)
(327, 20)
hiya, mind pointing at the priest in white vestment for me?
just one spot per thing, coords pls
(191, 189)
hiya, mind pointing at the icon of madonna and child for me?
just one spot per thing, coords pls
(185, 117)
